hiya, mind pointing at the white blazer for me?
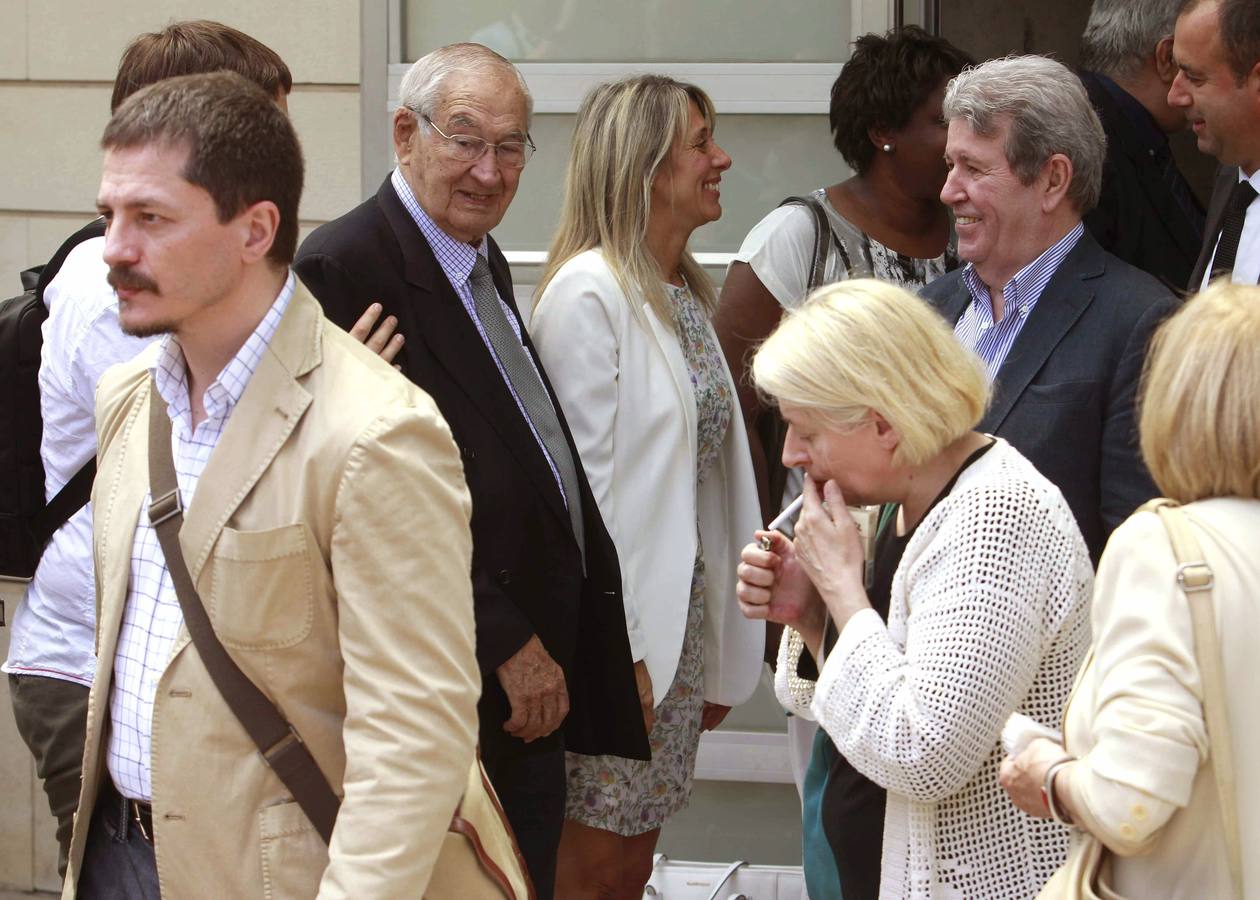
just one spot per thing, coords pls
(623, 382)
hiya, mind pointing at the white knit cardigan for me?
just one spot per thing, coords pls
(988, 616)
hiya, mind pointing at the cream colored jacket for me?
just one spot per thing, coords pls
(1145, 785)
(329, 542)
(621, 377)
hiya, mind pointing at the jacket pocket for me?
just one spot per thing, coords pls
(294, 856)
(261, 595)
(1067, 393)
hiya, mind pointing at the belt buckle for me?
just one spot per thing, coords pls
(139, 820)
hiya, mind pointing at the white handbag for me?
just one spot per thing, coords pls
(722, 881)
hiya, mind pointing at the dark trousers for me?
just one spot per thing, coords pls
(51, 716)
(531, 789)
(118, 862)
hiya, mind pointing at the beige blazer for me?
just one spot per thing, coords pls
(623, 381)
(1145, 785)
(329, 541)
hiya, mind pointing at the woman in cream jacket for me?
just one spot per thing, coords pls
(1138, 772)
(622, 325)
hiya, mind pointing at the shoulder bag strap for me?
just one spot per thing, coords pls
(278, 743)
(72, 497)
(1195, 577)
(822, 238)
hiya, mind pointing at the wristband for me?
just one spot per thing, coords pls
(1047, 790)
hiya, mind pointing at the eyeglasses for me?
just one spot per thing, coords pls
(469, 148)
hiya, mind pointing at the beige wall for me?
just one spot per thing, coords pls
(57, 63)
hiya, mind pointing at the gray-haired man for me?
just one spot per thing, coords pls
(1061, 325)
(1146, 214)
(551, 632)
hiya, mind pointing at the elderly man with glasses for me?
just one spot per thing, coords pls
(551, 633)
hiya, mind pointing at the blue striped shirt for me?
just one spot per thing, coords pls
(456, 260)
(992, 341)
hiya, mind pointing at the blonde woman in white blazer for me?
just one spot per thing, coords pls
(622, 325)
(1138, 771)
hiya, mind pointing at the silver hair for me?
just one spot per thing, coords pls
(421, 88)
(1121, 34)
(1049, 112)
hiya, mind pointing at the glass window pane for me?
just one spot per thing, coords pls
(773, 157)
(649, 31)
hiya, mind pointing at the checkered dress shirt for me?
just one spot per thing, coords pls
(992, 341)
(456, 259)
(152, 619)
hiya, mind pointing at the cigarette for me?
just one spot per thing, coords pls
(783, 518)
(789, 513)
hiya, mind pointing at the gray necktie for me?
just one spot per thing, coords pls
(528, 387)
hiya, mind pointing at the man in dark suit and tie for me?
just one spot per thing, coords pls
(551, 634)
(1217, 46)
(1147, 214)
(1061, 325)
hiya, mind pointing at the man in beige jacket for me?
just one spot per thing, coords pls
(306, 466)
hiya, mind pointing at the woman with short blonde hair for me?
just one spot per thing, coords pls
(972, 606)
(870, 345)
(1149, 794)
(622, 324)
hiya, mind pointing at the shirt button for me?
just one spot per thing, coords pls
(1138, 812)
(1126, 830)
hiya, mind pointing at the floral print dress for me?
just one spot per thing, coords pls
(629, 796)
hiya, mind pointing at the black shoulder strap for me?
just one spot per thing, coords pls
(280, 746)
(824, 240)
(76, 492)
(93, 229)
(72, 497)
(822, 231)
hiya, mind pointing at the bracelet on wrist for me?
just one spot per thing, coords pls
(1047, 791)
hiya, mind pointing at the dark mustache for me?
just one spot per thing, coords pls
(129, 280)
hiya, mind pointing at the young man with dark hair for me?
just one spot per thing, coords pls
(188, 48)
(51, 656)
(298, 457)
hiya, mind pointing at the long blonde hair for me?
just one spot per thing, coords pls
(625, 130)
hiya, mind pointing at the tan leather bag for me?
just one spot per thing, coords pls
(1087, 873)
(479, 858)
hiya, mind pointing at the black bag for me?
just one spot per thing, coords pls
(26, 521)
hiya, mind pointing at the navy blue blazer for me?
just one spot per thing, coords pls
(1064, 397)
(527, 569)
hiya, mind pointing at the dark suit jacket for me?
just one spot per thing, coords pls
(526, 569)
(1064, 396)
(1137, 218)
(1226, 178)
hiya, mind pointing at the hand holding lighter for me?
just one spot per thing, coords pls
(865, 517)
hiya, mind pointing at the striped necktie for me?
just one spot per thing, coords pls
(529, 389)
